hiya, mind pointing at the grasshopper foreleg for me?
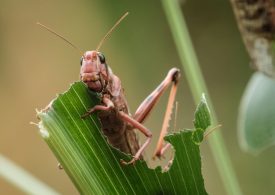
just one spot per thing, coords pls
(108, 105)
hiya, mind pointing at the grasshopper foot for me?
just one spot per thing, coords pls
(99, 108)
(89, 112)
(159, 156)
(123, 162)
(160, 152)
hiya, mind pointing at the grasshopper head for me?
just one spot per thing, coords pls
(93, 70)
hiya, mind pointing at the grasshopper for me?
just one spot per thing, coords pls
(117, 123)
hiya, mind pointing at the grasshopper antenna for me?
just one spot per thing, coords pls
(111, 30)
(63, 38)
(211, 130)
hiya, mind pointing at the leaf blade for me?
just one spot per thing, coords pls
(93, 165)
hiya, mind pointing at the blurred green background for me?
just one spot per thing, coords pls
(35, 66)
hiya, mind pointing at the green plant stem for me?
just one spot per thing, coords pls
(22, 179)
(196, 82)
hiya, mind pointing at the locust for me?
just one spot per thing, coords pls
(117, 124)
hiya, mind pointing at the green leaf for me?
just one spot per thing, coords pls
(94, 166)
(256, 122)
(202, 120)
(202, 115)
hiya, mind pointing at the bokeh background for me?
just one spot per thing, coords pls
(35, 66)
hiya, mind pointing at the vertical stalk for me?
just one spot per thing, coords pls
(21, 179)
(197, 85)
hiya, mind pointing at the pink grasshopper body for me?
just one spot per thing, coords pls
(117, 123)
(99, 78)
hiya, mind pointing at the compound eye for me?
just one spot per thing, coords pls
(101, 57)
(81, 60)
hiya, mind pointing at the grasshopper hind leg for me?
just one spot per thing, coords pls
(147, 105)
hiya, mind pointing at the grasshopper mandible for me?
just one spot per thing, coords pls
(117, 123)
